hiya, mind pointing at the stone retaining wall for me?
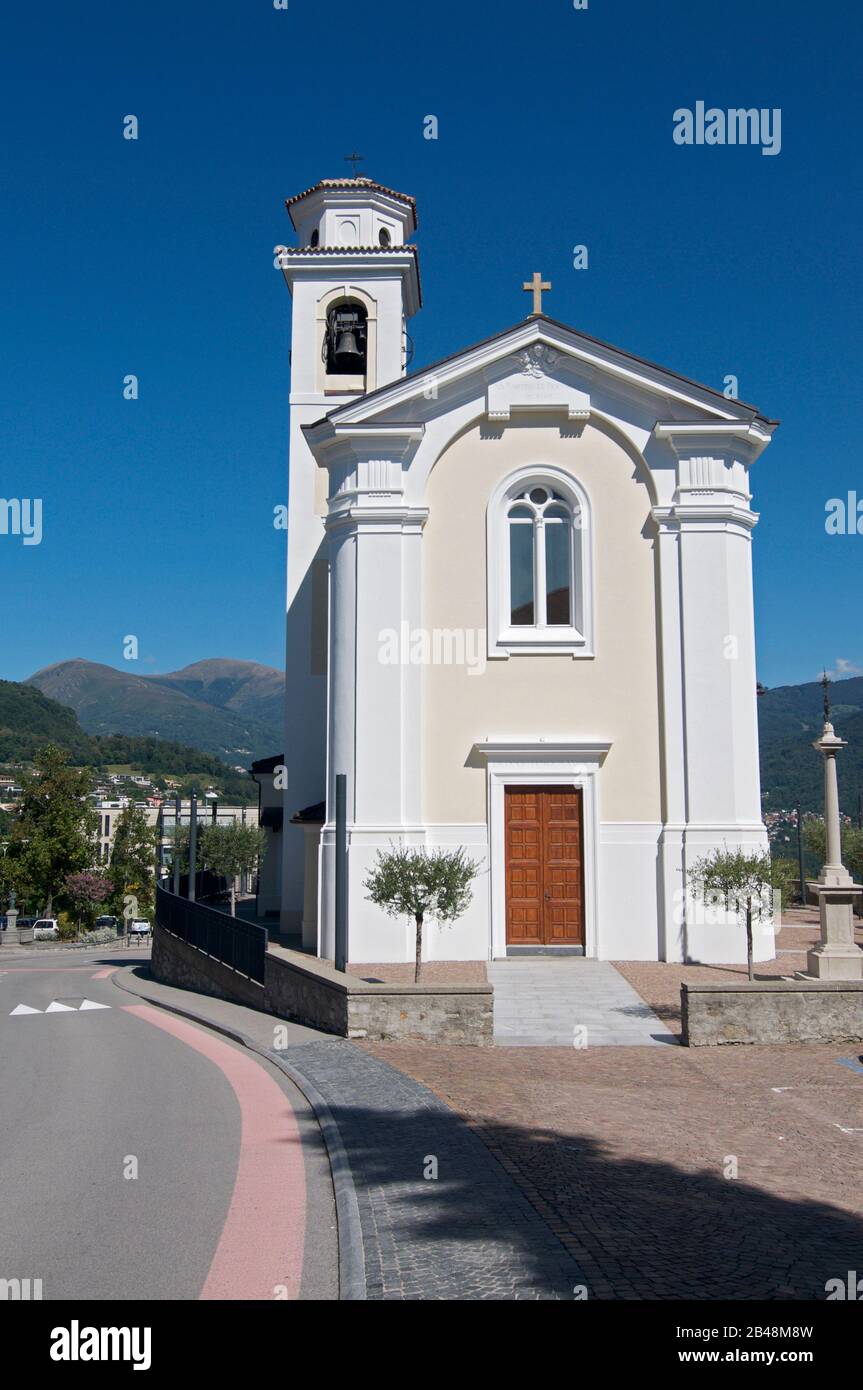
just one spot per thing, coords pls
(310, 991)
(772, 1011)
(174, 962)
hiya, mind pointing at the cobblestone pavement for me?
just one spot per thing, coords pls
(623, 1153)
(471, 1232)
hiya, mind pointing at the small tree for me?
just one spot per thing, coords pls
(54, 833)
(85, 892)
(420, 883)
(743, 882)
(133, 857)
(231, 850)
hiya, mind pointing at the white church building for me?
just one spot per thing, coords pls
(519, 615)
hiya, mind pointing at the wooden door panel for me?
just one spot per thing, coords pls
(524, 918)
(544, 867)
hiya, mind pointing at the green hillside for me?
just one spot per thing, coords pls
(29, 720)
(790, 719)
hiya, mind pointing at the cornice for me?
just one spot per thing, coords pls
(705, 516)
(750, 437)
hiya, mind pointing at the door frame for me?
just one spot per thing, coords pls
(552, 763)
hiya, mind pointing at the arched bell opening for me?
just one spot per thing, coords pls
(346, 340)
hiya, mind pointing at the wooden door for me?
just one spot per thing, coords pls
(544, 867)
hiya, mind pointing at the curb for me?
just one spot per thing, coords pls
(352, 1272)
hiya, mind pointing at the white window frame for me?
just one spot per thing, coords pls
(504, 639)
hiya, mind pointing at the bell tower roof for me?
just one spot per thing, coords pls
(339, 191)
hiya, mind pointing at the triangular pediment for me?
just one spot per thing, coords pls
(542, 364)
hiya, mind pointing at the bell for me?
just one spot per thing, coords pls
(347, 355)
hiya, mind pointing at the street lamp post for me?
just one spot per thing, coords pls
(193, 843)
(178, 807)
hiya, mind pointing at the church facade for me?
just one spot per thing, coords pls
(519, 616)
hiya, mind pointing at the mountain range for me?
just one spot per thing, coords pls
(233, 710)
(230, 709)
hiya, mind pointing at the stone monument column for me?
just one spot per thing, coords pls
(837, 957)
(12, 936)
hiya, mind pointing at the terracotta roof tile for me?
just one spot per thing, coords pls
(357, 183)
(343, 250)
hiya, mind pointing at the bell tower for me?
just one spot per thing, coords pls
(354, 282)
(354, 279)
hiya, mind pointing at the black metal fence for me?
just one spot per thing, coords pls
(240, 945)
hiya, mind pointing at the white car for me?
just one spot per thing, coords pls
(139, 926)
(47, 926)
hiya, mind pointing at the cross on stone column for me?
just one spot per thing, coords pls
(536, 287)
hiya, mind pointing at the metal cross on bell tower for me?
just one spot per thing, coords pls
(354, 159)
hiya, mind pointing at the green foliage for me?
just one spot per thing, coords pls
(815, 840)
(784, 876)
(231, 850)
(29, 720)
(742, 882)
(133, 861)
(67, 925)
(739, 879)
(422, 883)
(55, 833)
(790, 718)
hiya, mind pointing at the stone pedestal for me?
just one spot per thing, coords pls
(837, 957)
(15, 935)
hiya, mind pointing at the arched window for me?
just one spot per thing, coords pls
(540, 559)
(539, 571)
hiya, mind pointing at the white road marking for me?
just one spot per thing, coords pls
(56, 1007)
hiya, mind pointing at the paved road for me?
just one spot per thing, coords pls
(232, 1197)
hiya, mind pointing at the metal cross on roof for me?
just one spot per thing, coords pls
(537, 286)
(354, 159)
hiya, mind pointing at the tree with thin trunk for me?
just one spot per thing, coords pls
(133, 861)
(742, 883)
(231, 850)
(421, 883)
(55, 831)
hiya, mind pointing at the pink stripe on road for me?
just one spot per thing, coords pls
(104, 972)
(260, 1250)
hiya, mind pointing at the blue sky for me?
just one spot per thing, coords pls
(154, 257)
